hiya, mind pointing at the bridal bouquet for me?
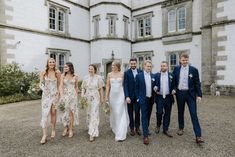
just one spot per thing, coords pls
(61, 106)
(84, 102)
(106, 108)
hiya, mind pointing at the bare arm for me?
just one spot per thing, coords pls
(107, 88)
(61, 84)
(76, 85)
(41, 79)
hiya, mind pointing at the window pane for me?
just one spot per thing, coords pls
(61, 21)
(173, 61)
(182, 18)
(112, 25)
(147, 26)
(52, 13)
(141, 28)
(61, 62)
(172, 21)
(141, 61)
(52, 55)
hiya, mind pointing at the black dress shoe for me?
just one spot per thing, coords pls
(167, 134)
(132, 132)
(199, 140)
(157, 130)
(138, 132)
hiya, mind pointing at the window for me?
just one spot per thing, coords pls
(52, 18)
(177, 20)
(126, 24)
(96, 20)
(112, 24)
(171, 21)
(60, 56)
(173, 61)
(144, 26)
(142, 57)
(61, 21)
(57, 18)
(181, 19)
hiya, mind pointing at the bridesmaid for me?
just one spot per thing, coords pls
(92, 89)
(49, 83)
(69, 96)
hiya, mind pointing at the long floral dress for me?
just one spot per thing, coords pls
(92, 85)
(70, 103)
(49, 98)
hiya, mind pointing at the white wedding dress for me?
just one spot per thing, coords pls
(118, 117)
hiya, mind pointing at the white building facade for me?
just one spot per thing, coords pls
(99, 31)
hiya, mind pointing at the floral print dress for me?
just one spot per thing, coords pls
(69, 100)
(49, 98)
(92, 85)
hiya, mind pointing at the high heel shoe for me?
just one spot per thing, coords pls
(65, 132)
(92, 139)
(53, 134)
(43, 140)
(70, 134)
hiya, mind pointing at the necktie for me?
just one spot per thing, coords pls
(164, 86)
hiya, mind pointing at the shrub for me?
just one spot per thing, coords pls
(13, 80)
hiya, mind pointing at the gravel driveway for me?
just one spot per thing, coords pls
(20, 134)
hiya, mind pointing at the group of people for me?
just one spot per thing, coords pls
(129, 95)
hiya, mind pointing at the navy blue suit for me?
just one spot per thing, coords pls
(164, 105)
(189, 96)
(129, 90)
(146, 103)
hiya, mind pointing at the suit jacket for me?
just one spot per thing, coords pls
(129, 84)
(171, 83)
(194, 83)
(140, 87)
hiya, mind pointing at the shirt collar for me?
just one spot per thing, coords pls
(186, 68)
(146, 73)
(164, 73)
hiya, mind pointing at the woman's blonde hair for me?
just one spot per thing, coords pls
(47, 67)
(117, 64)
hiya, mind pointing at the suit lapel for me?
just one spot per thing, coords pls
(132, 75)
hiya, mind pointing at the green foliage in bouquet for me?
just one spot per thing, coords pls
(84, 102)
(61, 106)
(106, 108)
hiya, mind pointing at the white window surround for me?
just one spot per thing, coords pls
(143, 25)
(126, 26)
(177, 19)
(61, 56)
(112, 18)
(60, 17)
(142, 56)
(96, 20)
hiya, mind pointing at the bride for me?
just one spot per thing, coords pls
(115, 95)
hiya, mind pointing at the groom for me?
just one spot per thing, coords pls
(144, 94)
(129, 90)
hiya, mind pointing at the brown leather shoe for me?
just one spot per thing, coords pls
(180, 132)
(167, 134)
(138, 132)
(199, 140)
(157, 130)
(132, 132)
(146, 140)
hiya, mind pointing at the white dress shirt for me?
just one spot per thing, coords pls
(183, 82)
(148, 84)
(164, 87)
(134, 72)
